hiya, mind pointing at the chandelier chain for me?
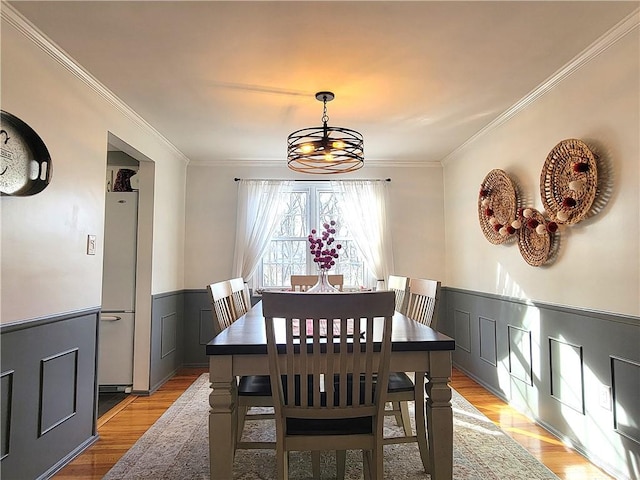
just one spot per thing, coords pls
(325, 117)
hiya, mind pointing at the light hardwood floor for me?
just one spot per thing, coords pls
(121, 427)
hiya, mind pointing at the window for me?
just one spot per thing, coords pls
(306, 206)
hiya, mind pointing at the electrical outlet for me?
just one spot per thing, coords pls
(91, 244)
(605, 397)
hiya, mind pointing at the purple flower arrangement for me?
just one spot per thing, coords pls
(320, 246)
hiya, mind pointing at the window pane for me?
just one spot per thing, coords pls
(350, 264)
(294, 216)
(288, 252)
(282, 259)
(328, 210)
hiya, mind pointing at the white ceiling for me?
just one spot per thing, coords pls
(228, 81)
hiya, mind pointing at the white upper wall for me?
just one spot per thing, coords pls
(416, 216)
(598, 266)
(45, 268)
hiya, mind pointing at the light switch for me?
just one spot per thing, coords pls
(91, 244)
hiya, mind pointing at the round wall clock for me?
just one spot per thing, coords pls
(25, 167)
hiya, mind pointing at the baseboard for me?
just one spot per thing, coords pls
(577, 447)
(195, 365)
(68, 458)
(164, 380)
(487, 387)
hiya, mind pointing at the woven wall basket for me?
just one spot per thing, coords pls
(535, 248)
(501, 200)
(569, 181)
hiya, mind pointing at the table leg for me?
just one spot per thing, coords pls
(222, 417)
(440, 416)
(421, 425)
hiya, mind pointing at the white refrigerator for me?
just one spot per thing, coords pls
(117, 319)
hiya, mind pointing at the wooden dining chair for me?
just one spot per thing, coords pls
(240, 297)
(253, 390)
(302, 283)
(422, 307)
(221, 305)
(324, 394)
(400, 286)
(424, 298)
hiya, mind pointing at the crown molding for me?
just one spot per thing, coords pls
(14, 18)
(278, 163)
(621, 29)
(402, 163)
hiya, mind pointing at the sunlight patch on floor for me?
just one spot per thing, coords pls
(583, 473)
(542, 438)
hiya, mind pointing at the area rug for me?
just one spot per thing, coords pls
(176, 447)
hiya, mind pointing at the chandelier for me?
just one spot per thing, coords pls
(325, 149)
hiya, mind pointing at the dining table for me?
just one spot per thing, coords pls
(241, 349)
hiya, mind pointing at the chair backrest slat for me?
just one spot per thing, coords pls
(424, 296)
(222, 304)
(400, 286)
(334, 367)
(240, 296)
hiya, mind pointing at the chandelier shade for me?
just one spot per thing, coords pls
(325, 149)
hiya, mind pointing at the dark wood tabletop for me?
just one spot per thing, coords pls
(247, 336)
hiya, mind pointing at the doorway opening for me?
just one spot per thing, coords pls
(118, 309)
(122, 156)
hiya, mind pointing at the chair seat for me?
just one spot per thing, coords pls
(399, 382)
(333, 426)
(254, 386)
(260, 386)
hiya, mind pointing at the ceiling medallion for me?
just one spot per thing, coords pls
(325, 149)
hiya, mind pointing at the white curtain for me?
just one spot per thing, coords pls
(257, 217)
(364, 208)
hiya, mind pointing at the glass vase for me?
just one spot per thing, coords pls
(323, 285)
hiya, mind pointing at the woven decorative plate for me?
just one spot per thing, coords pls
(569, 181)
(535, 247)
(496, 206)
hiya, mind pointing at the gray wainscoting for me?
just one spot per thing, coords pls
(576, 372)
(198, 329)
(48, 392)
(167, 337)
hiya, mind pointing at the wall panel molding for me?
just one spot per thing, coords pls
(6, 394)
(566, 362)
(520, 354)
(488, 340)
(463, 330)
(169, 333)
(625, 376)
(58, 389)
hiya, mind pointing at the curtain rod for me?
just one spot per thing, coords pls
(237, 179)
